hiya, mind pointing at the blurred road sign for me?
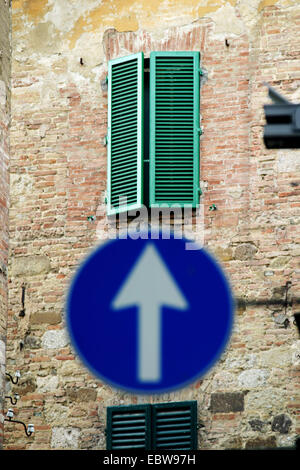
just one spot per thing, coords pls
(149, 316)
(283, 122)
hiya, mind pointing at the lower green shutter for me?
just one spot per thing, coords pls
(128, 427)
(174, 426)
(125, 133)
(174, 128)
(151, 427)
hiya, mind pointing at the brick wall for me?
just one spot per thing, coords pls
(58, 179)
(4, 188)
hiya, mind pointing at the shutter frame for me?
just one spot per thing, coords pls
(110, 209)
(196, 129)
(113, 411)
(179, 433)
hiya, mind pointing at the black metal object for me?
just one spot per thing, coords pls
(297, 323)
(13, 401)
(11, 378)
(22, 311)
(28, 433)
(240, 302)
(283, 122)
(267, 302)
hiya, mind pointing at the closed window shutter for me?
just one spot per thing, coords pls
(150, 427)
(174, 426)
(174, 128)
(128, 427)
(125, 133)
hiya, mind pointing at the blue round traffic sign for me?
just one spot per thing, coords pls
(149, 316)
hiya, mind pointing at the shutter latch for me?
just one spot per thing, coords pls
(200, 130)
(200, 71)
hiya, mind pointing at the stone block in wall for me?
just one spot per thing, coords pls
(266, 398)
(223, 253)
(65, 438)
(47, 384)
(50, 318)
(245, 251)
(26, 385)
(229, 402)
(259, 443)
(288, 161)
(30, 265)
(82, 395)
(32, 342)
(55, 339)
(234, 443)
(253, 378)
(280, 262)
(257, 425)
(57, 413)
(281, 423)
(280, 357)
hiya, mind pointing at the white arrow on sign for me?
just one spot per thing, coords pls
(149, 286)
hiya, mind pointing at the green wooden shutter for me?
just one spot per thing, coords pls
(174, 426)
(128, 427)
(125, 133)
(174, 128)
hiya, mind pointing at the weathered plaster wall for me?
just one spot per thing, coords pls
(4, 187)
(58, 179)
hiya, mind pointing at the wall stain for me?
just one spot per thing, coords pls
(129, 15)
(33, 9)
(270, 3)
(126, 15)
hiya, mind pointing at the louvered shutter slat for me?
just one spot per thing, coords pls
(174, 128)
(125, 134)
